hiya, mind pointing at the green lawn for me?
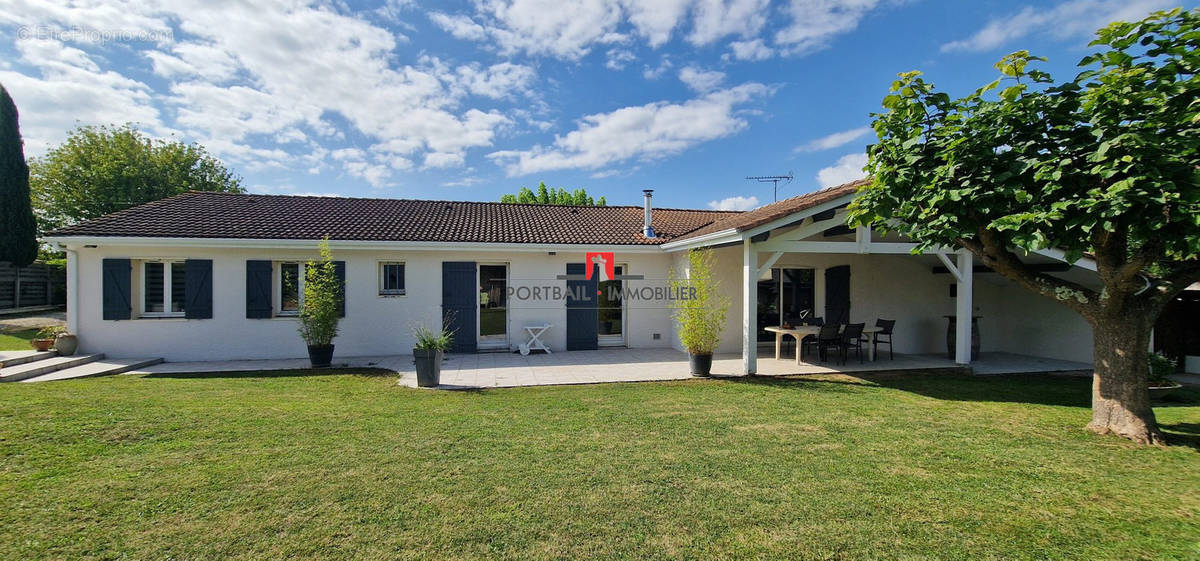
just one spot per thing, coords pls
(17, 340)
(351, 466)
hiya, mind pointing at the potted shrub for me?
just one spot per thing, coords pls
(1160, 368)
(66, 343)
(44, 339)
(427, 355)
(699, 310)
(319, 311)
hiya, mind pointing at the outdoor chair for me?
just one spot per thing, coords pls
(852, 338)
(828, 338)
(885, 326)
(810, 340)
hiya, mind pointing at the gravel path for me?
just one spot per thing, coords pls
(32, 321)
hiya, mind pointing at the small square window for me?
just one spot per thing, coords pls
(391, 279)
(164, 288)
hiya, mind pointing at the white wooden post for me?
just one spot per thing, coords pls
(965, 307)
(749, 307)
(72, 291)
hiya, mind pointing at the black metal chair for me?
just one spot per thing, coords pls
(829, 337)
(885, 326)
(852, 338)
(810, 340)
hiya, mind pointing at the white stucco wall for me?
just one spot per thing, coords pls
(374, 325)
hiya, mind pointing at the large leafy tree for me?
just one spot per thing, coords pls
(18, 229)
(1106, 165)
(102, 169)
(553, 196)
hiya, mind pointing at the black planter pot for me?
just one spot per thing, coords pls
(321, 356)
(701, 364)
(429, 367)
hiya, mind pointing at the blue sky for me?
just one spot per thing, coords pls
(470, 100)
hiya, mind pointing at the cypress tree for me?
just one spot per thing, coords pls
(18, 229)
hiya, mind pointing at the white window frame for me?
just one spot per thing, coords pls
(384, 293)
(278, 289)
(167, 293)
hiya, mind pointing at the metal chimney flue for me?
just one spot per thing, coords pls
(647, 227)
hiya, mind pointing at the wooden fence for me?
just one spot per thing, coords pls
(38, 284)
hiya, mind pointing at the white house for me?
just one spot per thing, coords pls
(208, 276)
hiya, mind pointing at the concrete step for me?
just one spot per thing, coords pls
(13, 358)
(31, 369)
(106, 367)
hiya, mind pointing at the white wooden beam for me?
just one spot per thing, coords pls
(770, 261)
(749, 307)
(835, 247)
(964, 307)
(949, 265)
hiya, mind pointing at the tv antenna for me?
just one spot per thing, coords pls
(774, 180)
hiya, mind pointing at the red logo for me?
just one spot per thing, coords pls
(602, 258)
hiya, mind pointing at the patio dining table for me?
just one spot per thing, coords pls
(799, 332)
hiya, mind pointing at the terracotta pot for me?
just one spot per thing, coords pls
(42, 344)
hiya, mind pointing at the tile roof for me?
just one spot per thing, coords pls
(768, 213)
(223, 215)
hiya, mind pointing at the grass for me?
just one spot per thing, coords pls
(17, 340)
(351, 466)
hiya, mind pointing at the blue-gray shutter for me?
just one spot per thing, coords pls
(460, 302)
(583, 313)
(116, 289)
(258, 289)
(198, 289)
(339, 270)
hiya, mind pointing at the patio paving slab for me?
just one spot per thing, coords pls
(504, 370)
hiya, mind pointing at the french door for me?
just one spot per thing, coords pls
(493, 306)
(611, 313)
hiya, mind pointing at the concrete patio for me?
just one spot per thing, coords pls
(500, 370)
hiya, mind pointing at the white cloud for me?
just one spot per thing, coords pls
(734, 203)
(656, 19)
(550, 27)
(618, 58)
(753, 49)
(71, 89)
(251, 77)
(848, 168)
(569, 30)
(646, 132)
(835, 140)
(815, 22)
(701, 80)
(461, 27)
(1076, 18)
(657, 71)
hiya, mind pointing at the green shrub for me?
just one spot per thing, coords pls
(1161, 366)
(322, 294)
(50, 331)
(430, 340)
(700, 316)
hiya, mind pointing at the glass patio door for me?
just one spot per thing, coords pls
(611, 330)
(493, 306)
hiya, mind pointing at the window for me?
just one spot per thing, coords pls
(291, 288)
(163, 288)
(391, 279)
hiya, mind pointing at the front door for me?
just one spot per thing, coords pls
(493, 306)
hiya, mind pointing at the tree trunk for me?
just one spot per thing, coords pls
(1120, 395)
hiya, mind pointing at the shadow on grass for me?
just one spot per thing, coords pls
(1040, 389)
(361, 372)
